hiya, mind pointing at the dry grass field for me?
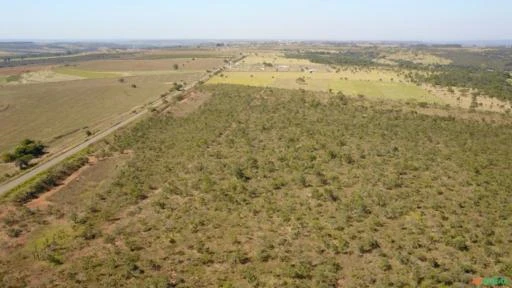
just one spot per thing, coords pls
(57, 103)
(188, 53)
(48, 111)
(61, 104)
(198, 64)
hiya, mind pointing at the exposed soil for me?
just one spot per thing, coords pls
(191, 102)
(43, 200)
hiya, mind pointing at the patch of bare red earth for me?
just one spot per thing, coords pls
(43, 200)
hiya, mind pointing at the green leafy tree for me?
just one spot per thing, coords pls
(23, 153)
(23, 162)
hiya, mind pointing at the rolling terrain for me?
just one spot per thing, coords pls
(268, 187)
(307, 167)
(64, 105)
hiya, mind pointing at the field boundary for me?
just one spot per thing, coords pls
(59, 157)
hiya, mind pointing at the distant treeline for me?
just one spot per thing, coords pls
(357, 58)
(489, 81)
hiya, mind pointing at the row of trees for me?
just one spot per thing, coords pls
(356, 58)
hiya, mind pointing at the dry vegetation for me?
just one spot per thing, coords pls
(199, 64)
(359, 77)
(49, 111)
(416, 57)
(64, 104)
(403, 182)
(263, 187)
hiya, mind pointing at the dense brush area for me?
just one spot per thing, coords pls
(282, 188)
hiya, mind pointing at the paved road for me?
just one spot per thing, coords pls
(11, 184)
(5, 187)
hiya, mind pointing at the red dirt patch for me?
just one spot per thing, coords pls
(190, 103)
(43, 202)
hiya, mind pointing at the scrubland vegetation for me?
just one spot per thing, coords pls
(263, 187)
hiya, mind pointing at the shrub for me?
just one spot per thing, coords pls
(368, 245)
(23, 153)
(14, 232)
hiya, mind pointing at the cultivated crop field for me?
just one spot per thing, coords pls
(277, 188)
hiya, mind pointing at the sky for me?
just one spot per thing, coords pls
(342, 20)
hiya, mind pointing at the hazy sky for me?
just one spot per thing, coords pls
(437, 20)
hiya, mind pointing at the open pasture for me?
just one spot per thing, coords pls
(194, 64)
(85, 74)
(107, 69)
(47, 111)
(186, 53)
(276, 62)
(368, 84)
(274, 58)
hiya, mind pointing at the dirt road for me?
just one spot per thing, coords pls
(13, 183)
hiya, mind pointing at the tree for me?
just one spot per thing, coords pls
(24, 161)
(23, 153)
(178, 86)
(175, 66)
(29, 147)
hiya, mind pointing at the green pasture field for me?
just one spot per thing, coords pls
(364, 83)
